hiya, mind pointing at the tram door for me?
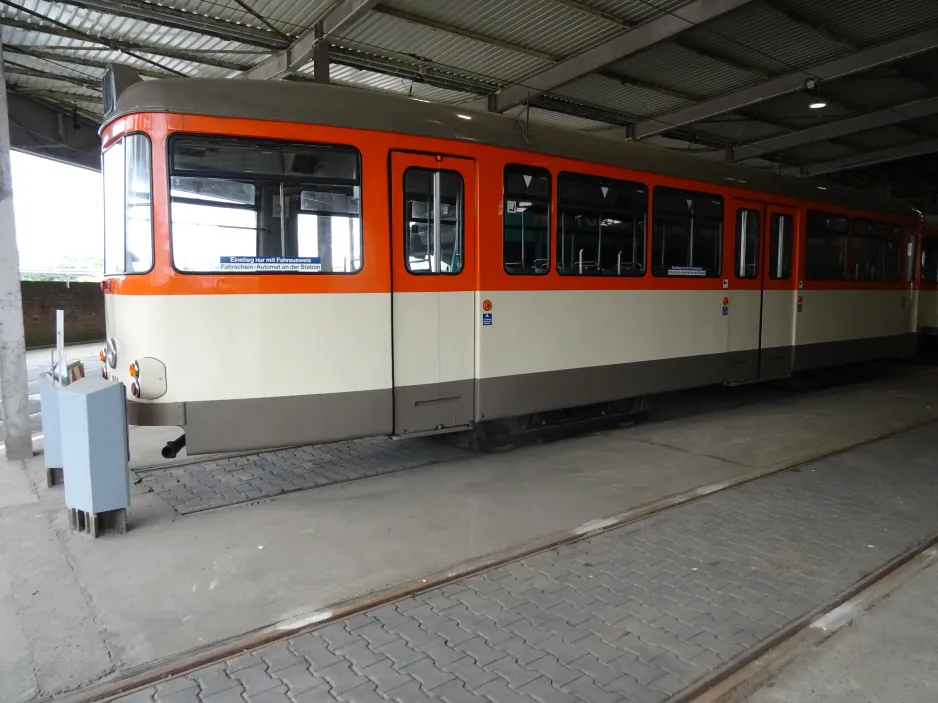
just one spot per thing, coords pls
(763, 298)
(433, 271)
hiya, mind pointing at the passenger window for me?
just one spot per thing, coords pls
(687, 233)
(894, 254)
(780, 247)
(249, 206)
(825, 247)
(930, 260)
(747, 243)
(433, 221)
(526, 217)
(600, 226)
(867, 251)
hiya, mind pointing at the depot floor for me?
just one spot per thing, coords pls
(79, 610)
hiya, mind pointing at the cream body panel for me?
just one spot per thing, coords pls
(928, 310)
(222, 347)
(837, 315)
(535, 331)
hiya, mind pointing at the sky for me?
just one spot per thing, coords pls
(58, 214)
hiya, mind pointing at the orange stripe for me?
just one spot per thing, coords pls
(484, 224)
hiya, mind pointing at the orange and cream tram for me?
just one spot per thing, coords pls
(293, 263)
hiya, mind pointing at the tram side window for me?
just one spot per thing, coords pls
(687, 233)
(825, 246)
(894, 253)
(526, 213)
(128, 207)
(867, 250)
(600, 226)
(244, 205)
(930, 260)
(747, 243)
(780, 247)
(426, 190)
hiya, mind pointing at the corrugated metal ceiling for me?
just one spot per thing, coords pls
(456, 51)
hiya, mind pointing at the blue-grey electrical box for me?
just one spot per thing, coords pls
(51, 424)
(92, 416)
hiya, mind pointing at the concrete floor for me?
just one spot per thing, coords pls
(888, 655)
(79, 609)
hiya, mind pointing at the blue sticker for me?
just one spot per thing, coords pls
(726, 309)
(486, 319)
(799, 307)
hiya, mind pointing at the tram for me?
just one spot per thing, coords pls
(290, 263)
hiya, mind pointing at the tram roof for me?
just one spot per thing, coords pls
(310, 103)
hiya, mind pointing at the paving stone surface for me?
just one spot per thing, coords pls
(240, 479)
(636, 614)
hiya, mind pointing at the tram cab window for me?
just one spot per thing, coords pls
(425, 229)
(867, 250)
(244, 205)
(780, 238)
(930, 260)
(687, 233)
(747, 243)
(825, 246)
(526, 217)
(600, 226)
(128, 207)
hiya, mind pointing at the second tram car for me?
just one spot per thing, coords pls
(293, 263)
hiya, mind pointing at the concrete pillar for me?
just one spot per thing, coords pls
(14, 392)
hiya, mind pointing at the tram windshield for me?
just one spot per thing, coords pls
(128, 231)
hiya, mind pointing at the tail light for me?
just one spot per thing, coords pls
(135, 390)
(104, 372)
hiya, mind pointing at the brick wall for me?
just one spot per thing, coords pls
(83, 304)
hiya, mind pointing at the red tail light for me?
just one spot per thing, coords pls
(105, 286)
(135, 390)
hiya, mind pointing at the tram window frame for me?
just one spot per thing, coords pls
(510, 196)
(867, 248)
(659, 236)
(303, 188)
(460, 224)
(813, 231)
(780, 261)
(110, 212)
(929, 272)
(574, 193)
(746, 264)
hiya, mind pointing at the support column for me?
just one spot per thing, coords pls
(14, 392)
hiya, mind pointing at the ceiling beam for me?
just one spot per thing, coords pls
(52, 131)
(659, 29)
(182, 19)
(783, 85)
(340, 18)
(15, 68)
(838, 128)
(882, 156)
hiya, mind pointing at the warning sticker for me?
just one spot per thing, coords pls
(512, 206)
